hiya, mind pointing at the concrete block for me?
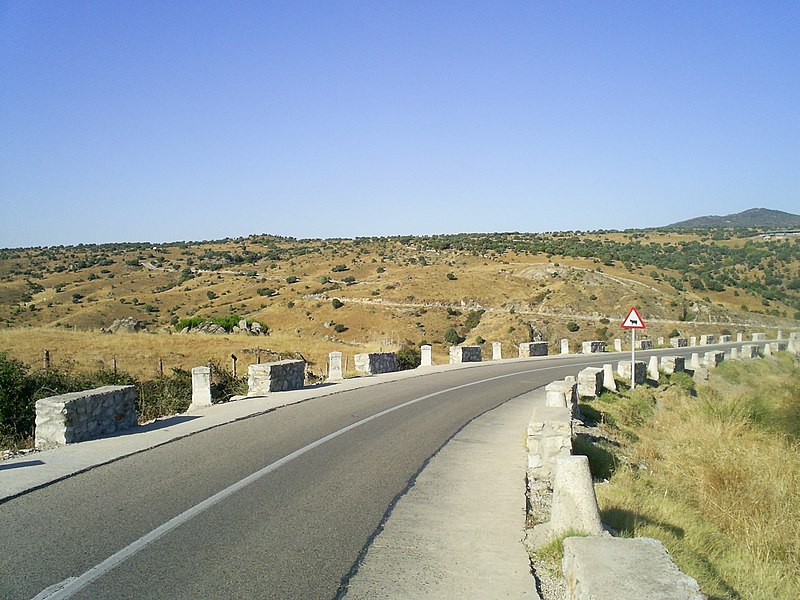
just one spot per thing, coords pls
(734, 353)
(706, 340)
(767, 350)
(375, 363)
(778, 346)
(497, 350)
(608, 568)
(672, 364)
(465, 354)
(652, 369)
(617, 345)
(640, 373)
(574, 504)
(549, 437)
(694, 361)
(564, 346)
(779, 335)
(335, 371)
(739, 337)
(678, 342)
(724, 339)
(590, 382)
(749, 351)
(660, 341)
(608, 377)
(714, 358)
(593, 347)
(278, 376)
(645, 345)
(80, 416)
(568, 387)
(528, 349)
(426, 359)
(693, 341)
(201, 387)
(759, 337)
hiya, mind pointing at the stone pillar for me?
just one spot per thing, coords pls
(617, 345)
(497, 350)
(425, 356)
(780, 335)
(574, 502)
(335, 372)
(201, 387)
(652, 369)
(694, 363)
(565, 346)
(608, 377)
(767, 349)
(734, 353)
(739, 337)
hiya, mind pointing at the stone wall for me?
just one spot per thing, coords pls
(80, 416)
(672, 364)
(375, 363)
(549, 438)
(278, 376)
(590, 382)
(463, 354)
(593, 347)
(624, 371)
(528, 349)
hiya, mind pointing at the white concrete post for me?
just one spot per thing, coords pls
(739, 337)
(335, 372)
(608, 377)
(201, 387)
(734, 353)
(693, 341)
(497, 350)
(652, 369)
(660, 341)
(617, 345)
(695, 362)
(564, 346)
(425, 356)
(780, 335)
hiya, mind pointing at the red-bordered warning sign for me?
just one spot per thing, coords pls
(633, 320)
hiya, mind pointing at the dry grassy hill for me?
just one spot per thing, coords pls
(395, 291)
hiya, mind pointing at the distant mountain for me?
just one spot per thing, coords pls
(754, 217)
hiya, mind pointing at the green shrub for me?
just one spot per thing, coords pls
(265, 292)
(336, 303)
(573, 326)
(408, 357)
(451, 337)
(339, 328)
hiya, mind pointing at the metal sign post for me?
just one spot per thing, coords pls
(633, 322)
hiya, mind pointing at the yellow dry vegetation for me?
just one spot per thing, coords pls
(716, 477)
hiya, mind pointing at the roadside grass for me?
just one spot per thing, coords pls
(715, 476)
(551, 554)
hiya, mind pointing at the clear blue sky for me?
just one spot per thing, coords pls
(163, 121)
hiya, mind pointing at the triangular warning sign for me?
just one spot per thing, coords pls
(633, 320)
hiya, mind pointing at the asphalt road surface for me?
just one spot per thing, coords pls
(327, 473)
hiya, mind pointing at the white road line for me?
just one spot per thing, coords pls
(71, 586)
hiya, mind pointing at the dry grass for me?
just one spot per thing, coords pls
(717, 478)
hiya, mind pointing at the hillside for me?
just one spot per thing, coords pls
(754, 217)
(510, 287)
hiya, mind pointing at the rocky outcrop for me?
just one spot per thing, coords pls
(126, 325)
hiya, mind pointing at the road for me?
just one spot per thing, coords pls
(329, 472)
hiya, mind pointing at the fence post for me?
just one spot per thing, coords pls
(47, 360)
(233, 365)
(161, 367)
(114, 364)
